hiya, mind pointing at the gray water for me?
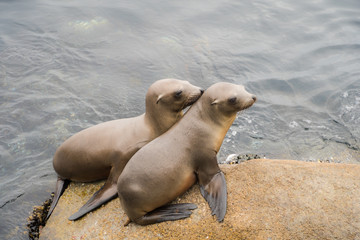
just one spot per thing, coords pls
(65, 66)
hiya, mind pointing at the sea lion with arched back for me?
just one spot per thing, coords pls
(170, 164)
(103, 150)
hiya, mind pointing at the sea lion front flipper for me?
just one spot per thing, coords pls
(61, 185)
(171, 212)
(103, 195)
(215, 194)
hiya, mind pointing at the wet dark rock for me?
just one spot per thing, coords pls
(37, 219)
(240, 158)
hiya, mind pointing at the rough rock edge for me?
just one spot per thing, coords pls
(37, 219)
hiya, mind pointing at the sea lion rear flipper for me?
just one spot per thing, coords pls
(215, 194)
(61, 185)
(103, 195)
(171, 212)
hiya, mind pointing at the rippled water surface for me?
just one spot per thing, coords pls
(65, 66)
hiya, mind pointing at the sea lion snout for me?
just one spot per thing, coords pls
(194, 97)
(246, 99)
(254, 98)
(249, 102)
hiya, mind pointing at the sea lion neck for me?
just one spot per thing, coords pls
(212, 116)
(161, 120)
(206, 123)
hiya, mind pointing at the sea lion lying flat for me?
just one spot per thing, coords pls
(170, 164)
(103, 150)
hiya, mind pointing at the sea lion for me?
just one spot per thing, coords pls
(103, 150)
(170, 164)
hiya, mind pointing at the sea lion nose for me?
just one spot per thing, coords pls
(254, 98)
(202, 91)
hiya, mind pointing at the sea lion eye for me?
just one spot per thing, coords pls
(178, 94)
(232, 100)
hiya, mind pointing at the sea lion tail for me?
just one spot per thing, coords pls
(61, 185)
(171, 212)
(106, 193)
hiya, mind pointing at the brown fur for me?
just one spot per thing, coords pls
(170, 164)
(102, 151)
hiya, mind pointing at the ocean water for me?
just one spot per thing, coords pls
(65, 66)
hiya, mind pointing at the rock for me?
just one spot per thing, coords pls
(38, 219)
(236, 158)
(267, 199)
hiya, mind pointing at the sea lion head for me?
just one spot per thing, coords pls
(228, 98)
(166, 99)
(172, 94)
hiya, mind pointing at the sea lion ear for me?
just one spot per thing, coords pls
(215, 102)
(158, 99)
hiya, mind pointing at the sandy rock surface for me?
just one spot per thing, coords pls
(267, 199)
